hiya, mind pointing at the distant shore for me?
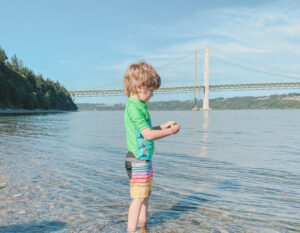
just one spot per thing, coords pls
(284, 101)
(22, 111)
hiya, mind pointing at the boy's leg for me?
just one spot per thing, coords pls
(142, 221)
(133, 213)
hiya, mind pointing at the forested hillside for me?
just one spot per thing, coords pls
(20, 87)
(285, 101)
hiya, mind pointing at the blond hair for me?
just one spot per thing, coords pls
(140, 74)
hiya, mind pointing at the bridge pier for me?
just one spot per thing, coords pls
(206, 81)
(195, 108)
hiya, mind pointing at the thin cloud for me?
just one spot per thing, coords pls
(233, 47)
(255, 29)
(254, 32)
(289, 30)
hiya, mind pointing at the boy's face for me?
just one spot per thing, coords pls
(145, 94)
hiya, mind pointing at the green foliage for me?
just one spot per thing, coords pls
(291, 100)
(16, 63)
(20, 87)
(3, 57)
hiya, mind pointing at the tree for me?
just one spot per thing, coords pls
(3, 57)
(20, 87)
(16, 63)
(3, 80)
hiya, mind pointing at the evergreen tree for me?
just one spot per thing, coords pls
(16, 63)
(20, 87)
(3, 57)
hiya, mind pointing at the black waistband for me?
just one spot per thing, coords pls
(130, 155)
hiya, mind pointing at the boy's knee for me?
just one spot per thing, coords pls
(138, 200)
(146, 201)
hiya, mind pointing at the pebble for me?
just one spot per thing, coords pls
(17, 195)
(2, 185)
(225, 215)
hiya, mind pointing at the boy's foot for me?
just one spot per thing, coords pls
(142, 230)
(131, 231)
(142, 225)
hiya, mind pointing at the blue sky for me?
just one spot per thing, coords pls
(88, 44)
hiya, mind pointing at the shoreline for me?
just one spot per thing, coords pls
(24, 111)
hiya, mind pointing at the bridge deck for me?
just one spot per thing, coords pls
(191, 88)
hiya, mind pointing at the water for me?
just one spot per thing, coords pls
(225, 171)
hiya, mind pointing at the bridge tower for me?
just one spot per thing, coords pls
(206, 81)
(195, 83)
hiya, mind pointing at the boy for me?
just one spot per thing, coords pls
(139, 82)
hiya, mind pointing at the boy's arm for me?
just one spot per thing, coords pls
(156, 128)
(157, 134)
(164, 126)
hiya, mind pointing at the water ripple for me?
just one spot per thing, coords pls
(65, 173)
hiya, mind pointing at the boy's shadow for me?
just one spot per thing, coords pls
(45, 226)
(186, 205)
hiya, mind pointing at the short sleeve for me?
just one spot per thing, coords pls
(137, 116)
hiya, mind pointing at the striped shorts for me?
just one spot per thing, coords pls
(140, 173)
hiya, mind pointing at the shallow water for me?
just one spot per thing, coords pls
(225, 171)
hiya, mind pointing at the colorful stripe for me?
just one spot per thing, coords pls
(141, 179)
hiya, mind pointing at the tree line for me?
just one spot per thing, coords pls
(20, 87)
(285, 101)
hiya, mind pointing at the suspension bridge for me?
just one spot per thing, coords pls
(219, 74)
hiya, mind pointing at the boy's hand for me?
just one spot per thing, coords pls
(168, 125)
(175, 128)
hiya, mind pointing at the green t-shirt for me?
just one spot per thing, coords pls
(137, 118)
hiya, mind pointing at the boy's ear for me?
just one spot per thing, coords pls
(139, 88)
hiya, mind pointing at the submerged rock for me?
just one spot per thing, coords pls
(2, 185)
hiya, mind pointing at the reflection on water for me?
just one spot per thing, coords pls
(64, 173)
(205, 126)
(204, 130)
